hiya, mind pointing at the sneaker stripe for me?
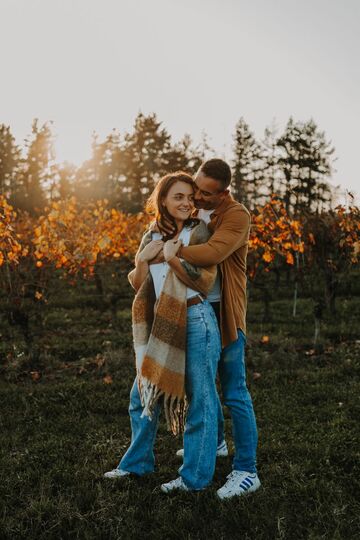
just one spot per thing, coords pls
(246, 484)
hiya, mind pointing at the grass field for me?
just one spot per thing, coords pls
(61, 431)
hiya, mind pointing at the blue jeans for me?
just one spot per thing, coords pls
(203, 350)
(236, 396)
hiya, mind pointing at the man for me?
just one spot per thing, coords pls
(229, 221)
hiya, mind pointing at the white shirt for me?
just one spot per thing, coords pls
(215, 293)
(159, 270)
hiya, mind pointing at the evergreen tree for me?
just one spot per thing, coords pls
(97, 177)
(289, 161)
(270, 158)
(144, 160)
(9, 161)
(247, 182)
(183, 156)
(34, 177)
(125, 171)
(306, 165)
(63, 181)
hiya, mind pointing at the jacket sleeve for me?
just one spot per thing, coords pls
(232, 234)
(199, 279)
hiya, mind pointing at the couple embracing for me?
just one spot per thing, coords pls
(188, 320)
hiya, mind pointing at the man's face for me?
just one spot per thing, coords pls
(208, 194)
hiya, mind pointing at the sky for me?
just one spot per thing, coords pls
(200, 65)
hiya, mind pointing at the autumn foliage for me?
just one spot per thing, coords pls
(274, 235)
(10, 247)
(77, 239)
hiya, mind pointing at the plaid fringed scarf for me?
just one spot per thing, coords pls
(159, 332)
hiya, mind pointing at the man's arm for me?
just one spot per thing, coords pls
(200, 281)
(230, 236)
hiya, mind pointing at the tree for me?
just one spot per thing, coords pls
(34, 175)
(63, 181)
(145, 155)
(100, 176)
(270, 158)
(9, 161)
(183, 156)
(247, 169)
(275, 239)
(305, 162)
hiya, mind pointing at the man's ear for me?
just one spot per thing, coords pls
(225, 193)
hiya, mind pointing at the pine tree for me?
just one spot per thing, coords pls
(144, 160)
(9, 161)
(182, 156)
(34, 177)
(270, 158)
(247, 167)
(306, 166)
(63, 181)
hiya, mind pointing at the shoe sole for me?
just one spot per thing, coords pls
(220, 454)
(242, 494)
(116, 477)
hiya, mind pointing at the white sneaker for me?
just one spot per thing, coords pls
(174, 484)
(239, 483)
(222, 450)
(116, 473)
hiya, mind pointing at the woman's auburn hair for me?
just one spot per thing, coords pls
(154, 204)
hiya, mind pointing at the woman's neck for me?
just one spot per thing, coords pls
(180, 225)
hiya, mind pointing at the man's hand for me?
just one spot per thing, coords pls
(171, 248)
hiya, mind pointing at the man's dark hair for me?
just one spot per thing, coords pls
(217, 169)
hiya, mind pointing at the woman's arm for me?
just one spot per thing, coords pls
(137, 276)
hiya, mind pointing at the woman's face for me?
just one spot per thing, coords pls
(179, 201)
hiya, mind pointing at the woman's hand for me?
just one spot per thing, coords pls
(151, 250)
(171, 247)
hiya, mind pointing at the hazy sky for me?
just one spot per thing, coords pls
(199, 64)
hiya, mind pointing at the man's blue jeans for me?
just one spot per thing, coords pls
(236, 396)
(200, 437)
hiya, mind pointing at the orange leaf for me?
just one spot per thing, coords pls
(289, 258)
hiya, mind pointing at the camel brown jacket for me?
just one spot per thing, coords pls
(227, 247)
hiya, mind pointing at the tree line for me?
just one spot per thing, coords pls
(296, 164)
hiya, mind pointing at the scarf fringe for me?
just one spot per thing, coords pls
(175, 407)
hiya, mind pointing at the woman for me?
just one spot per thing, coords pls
(173, 322)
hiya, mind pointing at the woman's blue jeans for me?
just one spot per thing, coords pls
(201, 430)
(236, 396)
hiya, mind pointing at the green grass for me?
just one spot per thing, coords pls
(60, 434)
